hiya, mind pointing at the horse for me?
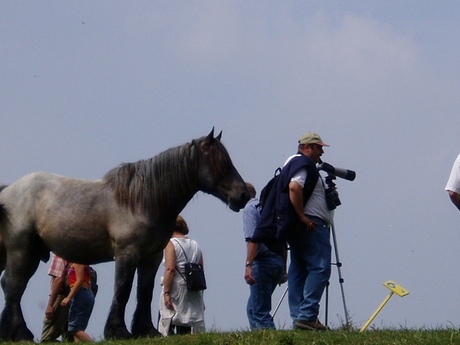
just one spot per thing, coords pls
(127, 216)
(2, 246)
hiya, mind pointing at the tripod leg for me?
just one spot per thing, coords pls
(339, 265)
(326, 307)
(281, 300)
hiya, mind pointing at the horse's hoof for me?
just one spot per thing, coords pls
(24, 336)
(151, 332)
(18, 335)
(154, 333)
(117, 334)
(14, 331)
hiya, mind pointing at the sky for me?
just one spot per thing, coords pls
(86, 86)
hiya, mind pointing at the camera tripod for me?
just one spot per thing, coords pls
(338, 264)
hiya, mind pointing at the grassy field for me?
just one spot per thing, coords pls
(369, 337)
(298, 337)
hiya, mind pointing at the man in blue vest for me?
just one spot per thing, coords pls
(264, 269)
(296, 211)
(310, 245)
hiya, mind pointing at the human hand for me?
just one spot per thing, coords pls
(49, 313)
(168, 301)
(283, 279)
(311, 224)
(65, 302)
(248, 276)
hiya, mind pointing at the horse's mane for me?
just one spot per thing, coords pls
(146, 185)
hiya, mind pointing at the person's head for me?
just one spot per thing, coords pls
(181, 225)
(311, 144)
(252, 190)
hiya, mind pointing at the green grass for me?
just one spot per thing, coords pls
(297, 337)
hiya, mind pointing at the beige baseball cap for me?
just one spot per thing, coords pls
(311, 138)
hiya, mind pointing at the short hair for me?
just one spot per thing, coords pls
(181, 225)
(252, 190)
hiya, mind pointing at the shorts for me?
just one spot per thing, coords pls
(80, 310)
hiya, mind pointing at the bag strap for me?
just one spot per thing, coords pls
(177, 269)
(322, 181)
(186, 259)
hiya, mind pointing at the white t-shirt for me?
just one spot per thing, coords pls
(316, 204)
(453, 183)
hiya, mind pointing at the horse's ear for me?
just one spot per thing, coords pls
(219, 136)
(210, 138)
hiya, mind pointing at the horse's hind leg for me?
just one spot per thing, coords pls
(125, 267)
(142, 325)
(20, 266)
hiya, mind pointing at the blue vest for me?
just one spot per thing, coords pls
(278, 216)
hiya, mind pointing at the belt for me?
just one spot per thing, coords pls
(267, 254)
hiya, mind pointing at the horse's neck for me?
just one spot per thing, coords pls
(177, 189)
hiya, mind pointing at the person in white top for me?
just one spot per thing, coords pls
(181, 310)
(453, 184)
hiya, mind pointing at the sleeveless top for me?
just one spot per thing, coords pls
(73, 276)
(191, 249)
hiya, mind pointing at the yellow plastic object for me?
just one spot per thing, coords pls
(395, 289)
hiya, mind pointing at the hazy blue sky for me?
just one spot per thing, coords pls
(87, 85)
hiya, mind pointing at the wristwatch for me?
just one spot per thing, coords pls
(248, 264)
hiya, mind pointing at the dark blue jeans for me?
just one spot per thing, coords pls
(267, 272)
(309, 270)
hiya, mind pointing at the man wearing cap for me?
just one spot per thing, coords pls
(296, 212)
(310, 246)
(453, 184)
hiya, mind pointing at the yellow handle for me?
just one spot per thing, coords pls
(376, 312)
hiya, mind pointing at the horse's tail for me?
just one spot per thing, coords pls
(2, 245)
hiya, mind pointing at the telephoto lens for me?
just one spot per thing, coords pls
(346, 174)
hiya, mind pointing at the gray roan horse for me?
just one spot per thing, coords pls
(128, 216)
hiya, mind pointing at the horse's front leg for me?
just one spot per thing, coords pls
(19, 268)
(125, 267)
(142, 325)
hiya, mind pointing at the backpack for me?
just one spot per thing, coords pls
(194, 274)
(264, 194)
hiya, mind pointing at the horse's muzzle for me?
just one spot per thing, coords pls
(237, 203)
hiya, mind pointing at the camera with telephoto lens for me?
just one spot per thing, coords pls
(339, 172)
(332, 196)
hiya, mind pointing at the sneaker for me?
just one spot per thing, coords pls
(310, 325)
